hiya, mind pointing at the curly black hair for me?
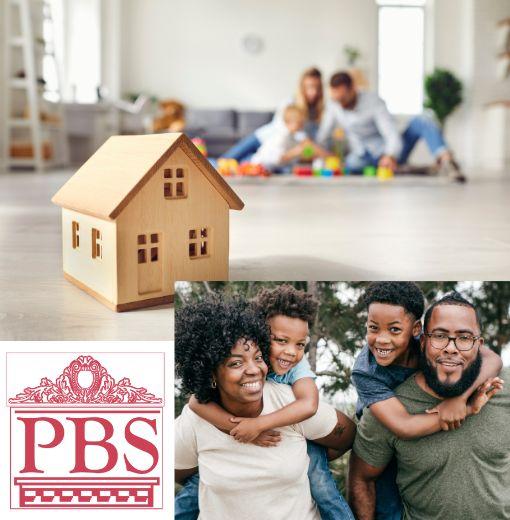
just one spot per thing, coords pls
(288, 301)
(205, 333)
(405, 294)
(451, 298)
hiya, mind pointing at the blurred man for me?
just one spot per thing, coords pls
(372, 134)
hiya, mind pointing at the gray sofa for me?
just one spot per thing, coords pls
(221, 129)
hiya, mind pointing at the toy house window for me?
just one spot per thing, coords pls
(199, 242)
(148, 248)
(175, 183)
(76, 234)
(97, 246)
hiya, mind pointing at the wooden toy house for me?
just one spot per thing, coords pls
(141, 213)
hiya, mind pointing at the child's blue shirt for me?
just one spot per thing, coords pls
(373, 382)
(302, 369)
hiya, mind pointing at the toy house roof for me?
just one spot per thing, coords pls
(109, 180)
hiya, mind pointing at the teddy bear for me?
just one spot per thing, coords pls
(172, 118)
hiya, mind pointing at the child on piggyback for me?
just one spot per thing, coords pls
(290, 314)
(389, 357)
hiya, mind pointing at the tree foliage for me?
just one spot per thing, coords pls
(339, 330)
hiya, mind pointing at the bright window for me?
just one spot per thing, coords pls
(401, 55)
(74, 36)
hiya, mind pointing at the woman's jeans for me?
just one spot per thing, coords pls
(388, 504)
(331, 504)
(420, 127)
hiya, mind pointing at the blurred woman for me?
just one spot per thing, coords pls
(309, 98)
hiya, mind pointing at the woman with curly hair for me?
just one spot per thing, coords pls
(221, 352)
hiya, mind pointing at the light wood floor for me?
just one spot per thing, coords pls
(314, 229)
(362, 229)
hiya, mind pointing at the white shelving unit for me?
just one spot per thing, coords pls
(26, 102)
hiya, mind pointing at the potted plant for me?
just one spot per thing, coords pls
(352, 54)
(443, 93)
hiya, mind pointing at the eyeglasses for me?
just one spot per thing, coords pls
(440, 340)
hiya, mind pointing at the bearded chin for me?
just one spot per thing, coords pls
(447, 390)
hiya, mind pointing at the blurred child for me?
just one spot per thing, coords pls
(286, 144)
(390, 356)
(290, 314)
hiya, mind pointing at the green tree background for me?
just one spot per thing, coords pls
(339, 330)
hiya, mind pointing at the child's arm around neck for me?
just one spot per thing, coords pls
(454, 410)
(448, 415)
(304, 407)
(212, 413)
(248, 429)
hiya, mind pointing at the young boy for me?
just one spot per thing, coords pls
(290, 314)
(389, 358)
(287, 144)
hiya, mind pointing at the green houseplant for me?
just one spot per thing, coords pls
(352, 54)
(443, 93)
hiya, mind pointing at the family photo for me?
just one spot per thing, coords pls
(342, 400)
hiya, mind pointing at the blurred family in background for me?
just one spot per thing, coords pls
(307, 125)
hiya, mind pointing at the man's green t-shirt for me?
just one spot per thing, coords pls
(461, 474)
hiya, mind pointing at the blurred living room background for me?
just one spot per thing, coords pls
(218, 69)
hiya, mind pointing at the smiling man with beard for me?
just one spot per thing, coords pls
(464, 473)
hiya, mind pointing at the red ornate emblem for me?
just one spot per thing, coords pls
(85, 381)
(85, 440)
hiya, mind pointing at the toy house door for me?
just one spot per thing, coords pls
(150, 263)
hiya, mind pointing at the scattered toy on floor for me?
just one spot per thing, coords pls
(384, 174)
(247, 169)
(200, 144)
(369, 171)
(227, 167)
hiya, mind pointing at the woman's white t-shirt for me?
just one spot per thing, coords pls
(246, 482)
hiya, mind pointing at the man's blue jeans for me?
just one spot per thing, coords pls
(420, 127)
(388, 504)
(331, 504)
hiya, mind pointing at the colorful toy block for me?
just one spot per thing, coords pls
(369, 171)
(332, 163)
(227, 167)
(248, 169)
(308, 152)
(302, 171)
(384, 174)
(200, 144)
